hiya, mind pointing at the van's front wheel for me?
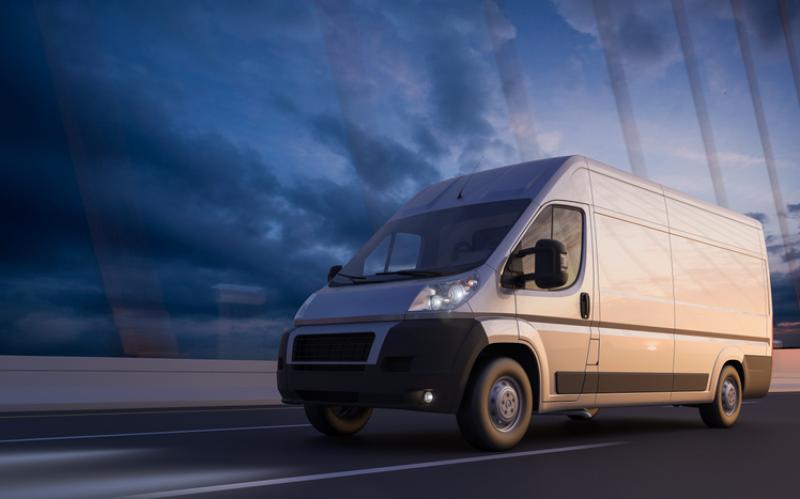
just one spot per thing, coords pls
(337, 420)
(724, 410)
(497, 406)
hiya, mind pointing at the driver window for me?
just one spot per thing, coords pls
(563, 224)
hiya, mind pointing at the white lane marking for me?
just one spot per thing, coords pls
(210, 489)
(146, 411)
(152, 433)
(37, 458)
(108, 483)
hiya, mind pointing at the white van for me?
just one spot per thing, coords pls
(561, 285)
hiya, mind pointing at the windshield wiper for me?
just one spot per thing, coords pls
(413, 273)
(353, 278)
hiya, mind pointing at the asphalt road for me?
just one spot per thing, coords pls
(272, 452)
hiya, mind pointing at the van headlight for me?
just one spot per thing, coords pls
(445, 295)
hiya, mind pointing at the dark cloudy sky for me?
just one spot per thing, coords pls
(178, 176)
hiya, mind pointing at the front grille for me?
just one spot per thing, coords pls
(346, 347)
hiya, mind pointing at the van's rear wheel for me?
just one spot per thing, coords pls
(724, 410)
(496, 410)
(336, 420)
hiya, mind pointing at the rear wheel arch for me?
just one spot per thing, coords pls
(728, 356)
(724, 410)
(739, 366)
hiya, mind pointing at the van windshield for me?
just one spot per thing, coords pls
(435, 243)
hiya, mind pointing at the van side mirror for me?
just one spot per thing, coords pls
(333, 271)
(551, 264)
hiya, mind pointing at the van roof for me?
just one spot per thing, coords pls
(600, 167)
(527, 180)
(519, 181)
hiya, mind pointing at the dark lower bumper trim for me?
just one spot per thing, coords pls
(757, 375)
(416, 355)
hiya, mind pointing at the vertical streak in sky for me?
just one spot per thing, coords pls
(692, 70)
(783, 10)
(130, 282)
(512, 81)
(619, 85)
(766, 144)
(345, 60)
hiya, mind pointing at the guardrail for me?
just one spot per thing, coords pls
(78, 383)
(785, 370)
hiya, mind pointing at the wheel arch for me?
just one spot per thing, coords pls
(518, 351)
(739, 369)
(728, 356)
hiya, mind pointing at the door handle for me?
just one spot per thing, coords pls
(585, 307)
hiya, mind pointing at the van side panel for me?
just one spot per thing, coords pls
(635, 302)
(628, 199)
(635, 275)
(718, 290)
(721, 297)
(695, 221)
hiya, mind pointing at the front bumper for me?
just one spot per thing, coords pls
(415, 356)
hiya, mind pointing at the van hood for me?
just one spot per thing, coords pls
(359, 302)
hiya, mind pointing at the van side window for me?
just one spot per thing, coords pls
(568, 228)
(561, 223)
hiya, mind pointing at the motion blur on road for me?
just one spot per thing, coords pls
(273, 452)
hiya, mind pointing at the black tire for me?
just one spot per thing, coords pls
(487, 416)
(726, 407)
(586, 415)
(337, 421)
